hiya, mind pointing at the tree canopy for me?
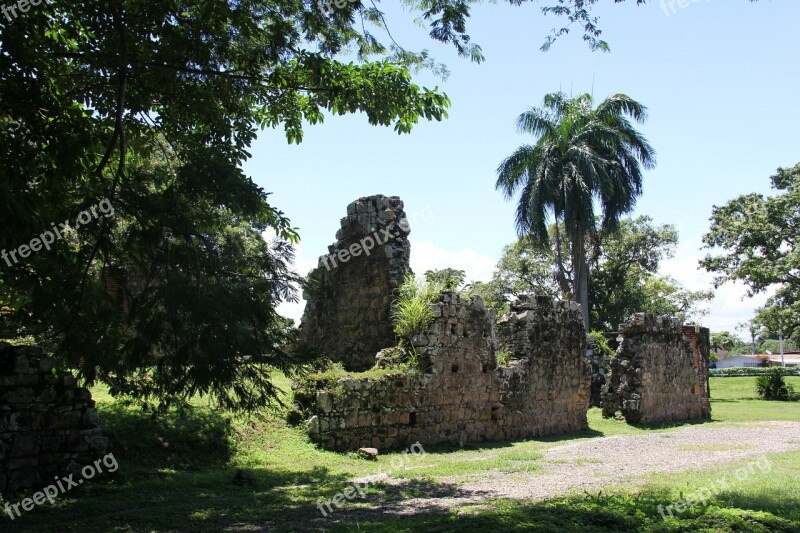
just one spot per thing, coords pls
(581, 154)
(623, 275)
(153, 107)
(756, 239)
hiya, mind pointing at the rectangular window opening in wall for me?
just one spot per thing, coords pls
(486, 368)
(454, 369)
(412, 419)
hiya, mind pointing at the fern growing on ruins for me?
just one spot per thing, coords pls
(411, 313)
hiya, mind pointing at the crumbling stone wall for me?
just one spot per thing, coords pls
(347, 314)
(460, 394)
(545, 389)
(660, 371)
(48, 425)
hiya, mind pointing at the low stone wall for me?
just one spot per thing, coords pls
(460, 395)
(660, 372)
(347, 315)
(48, 425)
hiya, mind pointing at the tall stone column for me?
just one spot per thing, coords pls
(347, 315)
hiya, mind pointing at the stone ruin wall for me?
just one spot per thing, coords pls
(48, 425)
(546, 387)
(660, 372)
(347, 315)
(462, 395)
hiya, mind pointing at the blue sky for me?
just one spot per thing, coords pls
(720, 79)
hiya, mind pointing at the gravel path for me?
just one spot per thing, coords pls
(584, 465)
(591, 464)
(595, 463)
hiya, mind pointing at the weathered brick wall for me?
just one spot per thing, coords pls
(462, 395)
(48, 425)
(347, 314)
(660, 371)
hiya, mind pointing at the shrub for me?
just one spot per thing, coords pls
(503, 358)
(773, 386)
(738, 371)
(412, 313)
(601, 343)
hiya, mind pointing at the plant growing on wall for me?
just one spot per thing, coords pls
(411, 313)
(601, 343)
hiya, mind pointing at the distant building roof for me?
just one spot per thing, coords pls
(776, 357)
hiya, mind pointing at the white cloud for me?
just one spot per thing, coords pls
(427, 256)
(730, 305)
(302, 265)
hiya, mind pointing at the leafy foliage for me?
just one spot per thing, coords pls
(503, 358)
(725, 340)
(601, 343)
(772, 386)
(737, 371)
(624, 277)
(493, 295)
(154, 106)
(759, 239)
(623, 274)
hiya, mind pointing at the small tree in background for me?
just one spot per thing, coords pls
(449, 279)
(773, 386)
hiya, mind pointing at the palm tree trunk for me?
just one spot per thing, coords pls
(561, 275)
(580, 269)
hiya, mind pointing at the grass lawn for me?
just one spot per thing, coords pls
(176, 474)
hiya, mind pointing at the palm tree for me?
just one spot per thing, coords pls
(582, 154)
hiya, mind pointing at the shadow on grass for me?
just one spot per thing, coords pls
(188, 440)
(674, 424)
(288, 501)
(272, 500)
(597, 513)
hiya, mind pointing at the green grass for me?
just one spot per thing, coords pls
(762, 503)
(175, 474)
